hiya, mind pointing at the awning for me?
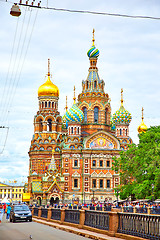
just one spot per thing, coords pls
(26, 197)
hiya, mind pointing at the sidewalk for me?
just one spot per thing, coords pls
(81, 232)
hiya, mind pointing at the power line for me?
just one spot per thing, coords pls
(87, 11)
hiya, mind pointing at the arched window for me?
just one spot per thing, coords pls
(95, 84)
(49, 125)
(49, 104)
(106, 115)
(40, 125)
(45, 104)
(96, 113)
(71, 130)
(85, 114)
(120, 132)
(78, 130)
(126, 132)
(52, 104)
(87, 84)
(42, 104)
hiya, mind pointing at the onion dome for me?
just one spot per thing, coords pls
(122, 116)
(48, 88)
(74, 114)
(93, 52)
(142, 127)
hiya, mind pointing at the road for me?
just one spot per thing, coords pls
(23, 230)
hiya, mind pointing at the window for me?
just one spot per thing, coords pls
(0, 195)
(126, 132)
(19, 195)
(19, 190)
(85, 114)
(106, 113)
(8, 190)
(49, 125)
(101, 163)
(94, 183)
(87, 84)
(49, 104)
(108, 183)
(16, 195)
(96, 112)
(108, 163)
(16, 190)
(71, 130)
(75, 163)
(120, 132)
(95, 84)
(45, 104)
(75, 183)
(13, 190)
(94, 163)
(101, 183)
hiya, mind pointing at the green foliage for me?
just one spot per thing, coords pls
(139, 166)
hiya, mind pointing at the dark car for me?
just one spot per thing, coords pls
(20, 212)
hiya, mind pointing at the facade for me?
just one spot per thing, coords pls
(70, 157)
(12, 193)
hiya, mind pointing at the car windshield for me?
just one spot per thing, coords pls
(21, 208)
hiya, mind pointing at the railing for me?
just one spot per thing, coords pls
(56, 214)
(128, 209)
(145, 226)
(107, 208)
(72, 216)
(155, 211)
(141, 210)
(35, 211)
(97, 219)
(44, 213)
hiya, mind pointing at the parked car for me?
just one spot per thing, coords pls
(20, 212)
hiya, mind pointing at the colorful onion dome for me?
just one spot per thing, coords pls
(48, 88)
(122, 116)
(142, 127)
(74, 114)
(113, 127)
(93, 52)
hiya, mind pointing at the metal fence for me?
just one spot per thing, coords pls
(44, 213)
(56, 214)
(145, 226)
(72, 216)
(35, 213)
(155, 211)
(97, 219)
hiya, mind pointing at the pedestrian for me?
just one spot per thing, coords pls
(1, 212)
(8, 212)
(4, 207)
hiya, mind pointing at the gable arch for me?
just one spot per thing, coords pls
(102, 140)
(97, 104)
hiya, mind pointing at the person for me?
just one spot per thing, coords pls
(4, 207)
(1, 212)
(8, 212)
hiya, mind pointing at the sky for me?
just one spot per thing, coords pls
(129, 59)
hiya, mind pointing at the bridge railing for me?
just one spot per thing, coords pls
(139, 225)
(114, 222)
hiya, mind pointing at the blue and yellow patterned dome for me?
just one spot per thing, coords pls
(93, 52)
(74, 114)
(122, 116)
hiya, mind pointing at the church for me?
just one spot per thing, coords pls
(70, 156)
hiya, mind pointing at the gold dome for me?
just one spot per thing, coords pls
(48, 89)
(142, 127)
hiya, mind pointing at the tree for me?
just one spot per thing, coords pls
(139, 167)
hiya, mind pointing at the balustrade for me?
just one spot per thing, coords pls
(56, 214)
(44, 213)
(97, 219)
(72, 216)
(35, 213)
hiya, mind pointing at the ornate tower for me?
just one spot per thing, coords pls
(122, 119)
(93, 101)
(47, 131)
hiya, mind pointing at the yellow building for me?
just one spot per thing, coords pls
(12, 193)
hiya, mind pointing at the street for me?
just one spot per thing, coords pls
(23, 230)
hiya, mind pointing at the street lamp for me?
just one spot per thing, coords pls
(152, 192)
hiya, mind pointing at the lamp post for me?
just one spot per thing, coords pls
(117, 191)
(93, 194)
(152, 192)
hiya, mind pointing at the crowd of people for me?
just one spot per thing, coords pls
(5, 209)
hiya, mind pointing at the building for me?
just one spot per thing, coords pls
(70, 157)
(11, 192)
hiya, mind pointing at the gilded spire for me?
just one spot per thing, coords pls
(48, 67)
(66, 105)
(93, 40)
(122, 97)
(74, 95)
(142, 113)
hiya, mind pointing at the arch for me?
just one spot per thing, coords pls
(54, 200)
(96, 114)
(40, 125)
(39, 200)
(59, 119)
(97, 104)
